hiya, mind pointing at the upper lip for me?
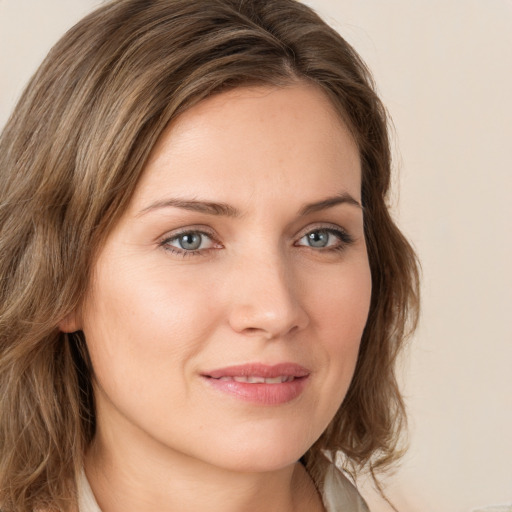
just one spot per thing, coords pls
(259, 370)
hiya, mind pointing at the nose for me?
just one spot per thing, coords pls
(266, 302)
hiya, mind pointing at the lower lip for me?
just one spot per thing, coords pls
(261, 393)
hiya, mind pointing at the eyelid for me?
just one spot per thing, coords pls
(319, 226)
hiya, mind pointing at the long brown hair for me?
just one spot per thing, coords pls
(70, 158)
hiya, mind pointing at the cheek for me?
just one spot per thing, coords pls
(340, 316)
(338, 309)
(341, 301)
(138, 321)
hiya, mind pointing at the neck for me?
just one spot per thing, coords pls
(141, 477)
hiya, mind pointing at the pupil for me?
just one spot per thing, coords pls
(190, 241)
(318, 238)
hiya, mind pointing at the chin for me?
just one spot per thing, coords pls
(260, 462)
(259, 452)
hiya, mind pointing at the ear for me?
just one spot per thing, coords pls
(70, 323)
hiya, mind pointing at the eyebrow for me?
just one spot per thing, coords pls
(226, 210)
(329, 202)
(208, 207)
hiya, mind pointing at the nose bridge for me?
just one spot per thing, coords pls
(266, 302)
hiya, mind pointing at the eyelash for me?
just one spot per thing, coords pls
(345, 239)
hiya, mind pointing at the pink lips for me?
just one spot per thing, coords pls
(259, 383)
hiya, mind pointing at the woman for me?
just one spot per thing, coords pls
(203, 294)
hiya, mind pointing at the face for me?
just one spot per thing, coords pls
(227, 306)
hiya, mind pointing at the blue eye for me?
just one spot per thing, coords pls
(188, 242)
(326, 238)
(318, 238)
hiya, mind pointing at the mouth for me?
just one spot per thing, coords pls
(254, 379)
(259, 383)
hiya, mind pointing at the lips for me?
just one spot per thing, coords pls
(260, 370)
(254, 379)
(259, 383)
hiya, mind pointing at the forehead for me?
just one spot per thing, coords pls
(252, 139)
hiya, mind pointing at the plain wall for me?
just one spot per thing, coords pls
(444, 70)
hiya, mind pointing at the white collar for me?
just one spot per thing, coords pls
(86, 500)
(339, 494)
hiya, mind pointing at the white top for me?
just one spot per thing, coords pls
(338, 494)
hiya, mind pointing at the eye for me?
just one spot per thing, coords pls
(318, 238)
(188, 242)
(326, 238)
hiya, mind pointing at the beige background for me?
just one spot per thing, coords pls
(444, 69)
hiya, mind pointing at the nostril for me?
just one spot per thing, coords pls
(268, 317)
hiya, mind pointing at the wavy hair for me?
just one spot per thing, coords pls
(71, 156)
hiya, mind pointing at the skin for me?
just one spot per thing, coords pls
(157, 316)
